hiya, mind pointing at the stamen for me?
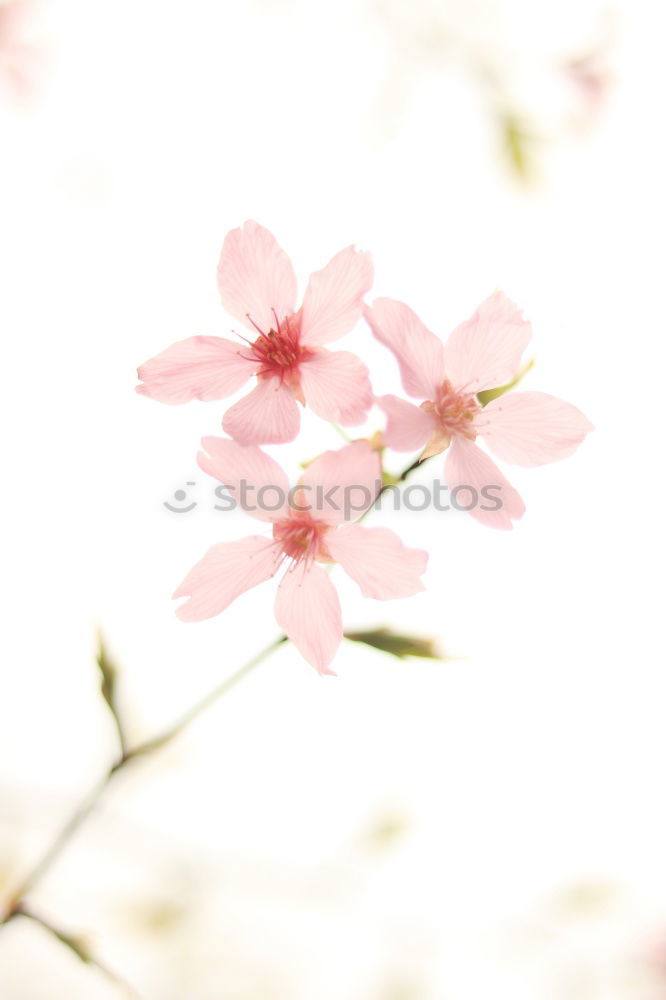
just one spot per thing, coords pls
(301, 538)
(258, 329)
(279, 351)
(454, 410)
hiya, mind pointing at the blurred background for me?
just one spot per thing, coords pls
(491, 824)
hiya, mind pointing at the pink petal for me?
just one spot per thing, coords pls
(470, 469)
(226, 571)
(308, 609)
(197, 368)
(339, 485)
(419, 353)
(531, 428)
(336, 386)
(333, 300)
(255, 277)
(378, 561)
(254, 479)
(485, 350)
(408, 427)
(268, 415)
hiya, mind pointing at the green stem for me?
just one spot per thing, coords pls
(200, 706)
(343, 434)
(405, 474)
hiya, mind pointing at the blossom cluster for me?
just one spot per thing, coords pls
(285, 351)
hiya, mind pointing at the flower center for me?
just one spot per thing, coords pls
(454, 411)
(279, 352)
(302, 538)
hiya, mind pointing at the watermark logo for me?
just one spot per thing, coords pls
(182, 504)
(350, 500)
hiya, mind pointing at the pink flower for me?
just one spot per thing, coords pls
(286, 353)
(527, 428)
(311, 526)
(19, 56)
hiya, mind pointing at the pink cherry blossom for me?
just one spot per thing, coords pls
(484, 352)
(20, 57)
(311, 527)
(286, 350)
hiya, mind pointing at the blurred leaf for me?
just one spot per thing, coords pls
(587, 898)
(487, 395)
(517, 141)
(108, 677)
(386, 831)
(403, 991)
(396, 644)
(159, 916)
(109, 673)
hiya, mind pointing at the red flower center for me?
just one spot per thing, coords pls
(279, 352)
(302, 538)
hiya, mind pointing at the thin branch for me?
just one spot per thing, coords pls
(141, 750)
(394, 481)
(76, 945)
(199, 707)
(69, 829)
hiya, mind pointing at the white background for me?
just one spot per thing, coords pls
(525, 773)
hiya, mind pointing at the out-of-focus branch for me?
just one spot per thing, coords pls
(69, 829)
(127, 756)
(75, 944)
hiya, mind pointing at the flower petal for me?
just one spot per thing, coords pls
(267, 415)
(255, 277)
(307, 607)
(333, 300)
(339, 485)
(485, 350)
(408, 427)
(255, 480)
(531, 428)
(378, 561)
(475, 480)
(197, 368)
(226, 571)
(419, 353)
(336, 386)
